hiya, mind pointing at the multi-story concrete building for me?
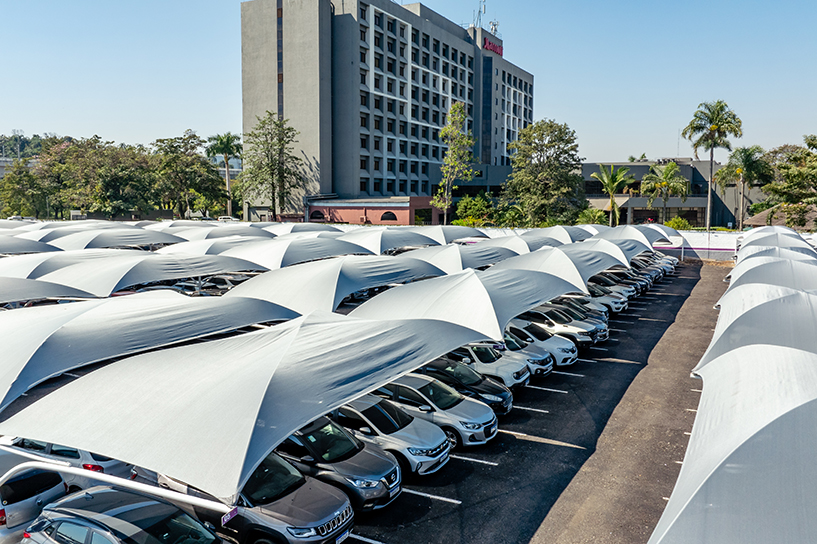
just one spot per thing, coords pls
(368, 84)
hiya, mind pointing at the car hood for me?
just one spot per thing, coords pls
(368, 464)
(530, 352)
(558, 342)
(471, 410)
(311, 504)
(419, 434)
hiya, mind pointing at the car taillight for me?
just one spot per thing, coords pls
(2, 516)
(65, 485)
(26, 535)
(93, 468)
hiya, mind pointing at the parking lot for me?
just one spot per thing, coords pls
(588, 454)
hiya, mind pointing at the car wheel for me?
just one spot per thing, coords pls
(267, 540)
(453, 437)
(405, 466)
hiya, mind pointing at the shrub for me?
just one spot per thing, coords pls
(678, 223)
(592, 216)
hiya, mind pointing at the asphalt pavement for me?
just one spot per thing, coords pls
(589, 454)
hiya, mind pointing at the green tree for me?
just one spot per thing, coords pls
(544, 184)
(746, 166)
(184, 174)
(271, 168)
(591, 216)
(710, 127)
(227, 145)
(22, 192)
(795, 187)
(475, 212)
(613, 183)
(457, 159)
(663, 182)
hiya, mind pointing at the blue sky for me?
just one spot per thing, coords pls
(625, 75)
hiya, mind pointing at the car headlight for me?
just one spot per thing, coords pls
(470, 426)
(363, 484)
(565, 350)
(537, 361)
(492, 398)
(420, 452)
(302, 532)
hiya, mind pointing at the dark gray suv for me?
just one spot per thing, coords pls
(326, 451)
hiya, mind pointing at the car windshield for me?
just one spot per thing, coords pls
(463, 373)
(513, 343)
(441, 395)
(331, 443)
(486, 354)
(387, 417)
(604, 280)
(152, 525)
(538, 332)
(558, 317)
(577, 307)
(572, 313)
(601, 290)
(273, 479)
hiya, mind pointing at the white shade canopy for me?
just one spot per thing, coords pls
(484, 301)
(52, 231)
(113, 238)
(756, 260)
(794, 254)
(37, 264)
(322, 285)
(23, 289)
(565, 234)
(46, 341)
(782, 272)
(453, 258)
(274, 254)
(594, 229)
(381, 239)
(765, 231)
(663, 229)
(12, 245)
(207, 414)
(627, 248)
(777, 239)
(139, 267)
(12, 223)
(286, 228)
(575, 263)
(749, 474)
(210, 246)
(210, 232)
(521, 244)
(628, 232)
(162, 225)
(445, 234)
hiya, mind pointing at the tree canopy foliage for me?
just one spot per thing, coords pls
(613, 183)
(545, 185)
(457, 159)
(663, 182)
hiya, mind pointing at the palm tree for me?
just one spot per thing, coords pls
(746, 166)
(664, 181)
(711, 124)
(613, 182)
(227, 145)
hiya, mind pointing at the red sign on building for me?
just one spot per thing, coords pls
(491, 46)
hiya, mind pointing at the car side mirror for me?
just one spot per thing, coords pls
(308, 459)
(210, 526)
(426, 408)
(528, 339)
(466, 361)
(367, 430)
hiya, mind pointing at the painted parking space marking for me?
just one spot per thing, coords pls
(546, 389)
(567, 374)
(610, 360)
(429, 496)
(620, 321)
(696, 390)
(537, 410)
(653, 319)
(691, 410)
(540, 440)
(586, 360)
(598, 349)
(617, 330)
(688, 434)
(633, 315)
(472, 460)
(679, 462)
(364, 539)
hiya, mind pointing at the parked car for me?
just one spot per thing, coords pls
(104, 515)
(586, 302)
(539, 361)
(326, 451)
(601, 333)
(640, 286)
(76, 458)
(465, 421)
(644, 281)
(470, 383)
(278, 504)
(555, 322)
(488, 361)
(581, 304)
(614, 302)
(667, 258)
(645, 267)
(564, 351)
(616, 287)
(225, 282)
(652, 260)
(419, 446)
(226, 218)
(24, 495)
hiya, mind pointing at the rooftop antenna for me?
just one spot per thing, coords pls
(479, 14)
(493, 26)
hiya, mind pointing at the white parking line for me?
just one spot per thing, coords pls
(620, 321)
(429, 496)
(616, 330)
(471, 459)
(665, 498)
(586, 360)
(609, 360)
(546, 389)
(691, 410)
(679, 462)
(598, 349)
(688, 434)
(531, 410)
(696, 390)
(364, 539)
(633, 315)
(567, 374)
(541, 440)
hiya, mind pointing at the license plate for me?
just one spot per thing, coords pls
(342, 537)
(492, 429)
(394, 491)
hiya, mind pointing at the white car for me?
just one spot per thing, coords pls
(564, 351)
(488, 361)
(419, 446)
(466, 422)
(539, 360)
(556, 322)
(620, 288)
(226, 218)
(77, 459)
(612, 301)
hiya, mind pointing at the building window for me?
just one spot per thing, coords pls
(378, 184)
(435, 117)
(425, 41)
(364, 185)
(364, 121)
(364, 100)
(363, 56)
(376, 165)
(390, 125)
(415, 36)
(317, 215)
(402, 31)
(424, 171)
(390, 166)
(403, 150)
(391, 25)
(364, 163)
(363, 76)
(413, 167)
(390, 106)
(377, 103)
(390, 86)
(377, 83)
(390, 187)
(453, 54)
(402, 123)
(378, 19)
(377, 123)
(414, 150)
(390, 66)
(436, 46)
(377, 144)
(403, 51)
(402, 186)
(364, 142)
(413, 129)
(445, 50)
(425, 133)
(403, 94)
(363, 34)
(363, 9)
(413, 186)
